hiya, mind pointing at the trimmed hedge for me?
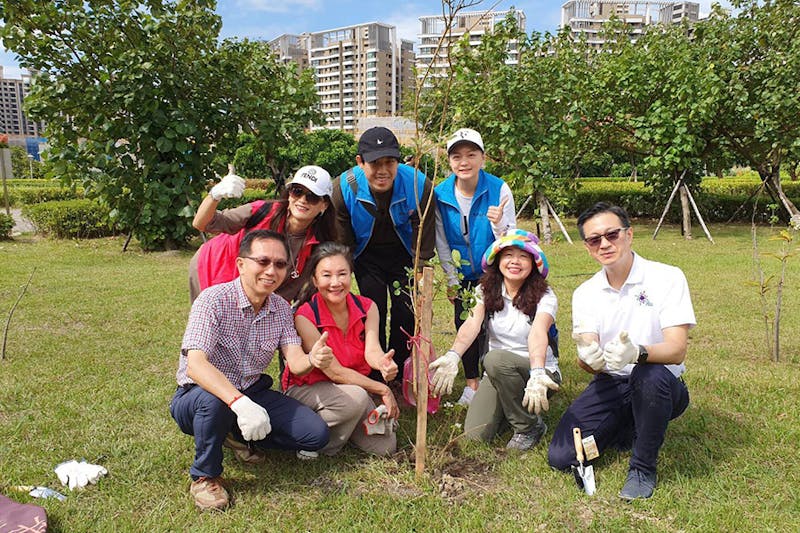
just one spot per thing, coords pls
(70, 219)
(37, 195)
(717, 199)
(6, 225)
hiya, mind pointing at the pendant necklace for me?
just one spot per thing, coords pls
(294, 274)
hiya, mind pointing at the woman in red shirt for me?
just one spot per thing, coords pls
(303, 213)
(342, 394)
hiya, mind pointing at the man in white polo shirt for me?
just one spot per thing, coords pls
(631, 323)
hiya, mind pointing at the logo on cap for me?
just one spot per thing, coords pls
(379, 141)
(309, 175)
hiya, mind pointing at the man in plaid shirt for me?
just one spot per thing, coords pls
(234, 329)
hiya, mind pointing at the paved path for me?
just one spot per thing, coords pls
(21, 224)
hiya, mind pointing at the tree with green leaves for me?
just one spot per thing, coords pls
(754, 56)
(139, 97)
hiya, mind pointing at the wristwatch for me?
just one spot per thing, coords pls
(642, 355)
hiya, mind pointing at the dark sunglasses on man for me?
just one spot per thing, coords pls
(611, 236)
(298, 191)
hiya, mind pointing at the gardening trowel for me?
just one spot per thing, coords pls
(584, 475)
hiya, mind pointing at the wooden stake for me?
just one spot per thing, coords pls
(420, 355)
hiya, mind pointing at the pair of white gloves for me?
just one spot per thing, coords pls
(77, 475)
(231, 186)
(535, 399)
(616, 354)
(378, 422)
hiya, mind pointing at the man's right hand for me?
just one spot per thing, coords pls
(446, 368)
(253, 419)
(589, 352)
(231, 186)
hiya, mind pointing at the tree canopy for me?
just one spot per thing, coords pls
(139, 98)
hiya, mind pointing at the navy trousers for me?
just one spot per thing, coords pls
(624, 412)
(204, 416)
(377, 268)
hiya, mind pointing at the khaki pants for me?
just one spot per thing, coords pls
(498, 402)
(344, 408)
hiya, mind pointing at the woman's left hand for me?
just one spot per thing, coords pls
(391, 404)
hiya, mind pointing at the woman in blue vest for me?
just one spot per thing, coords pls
(473, 209)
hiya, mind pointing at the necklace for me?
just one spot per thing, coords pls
(294, 274)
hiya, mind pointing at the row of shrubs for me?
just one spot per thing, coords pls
(55, 212)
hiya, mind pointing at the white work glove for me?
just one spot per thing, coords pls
(378, 421)
(620, 352)
(253, 419)
(231, 186)
(77, 475)
(535, 399)
(589, 353)
(446, 368)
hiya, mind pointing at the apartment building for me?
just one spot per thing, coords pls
(586, 17)
(363, 70)
(433, 58)
(13, 120)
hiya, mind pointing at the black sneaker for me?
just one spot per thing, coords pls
(638, 484)
(529, 439)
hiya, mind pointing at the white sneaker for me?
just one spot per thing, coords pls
(306, 455)
(466, 396)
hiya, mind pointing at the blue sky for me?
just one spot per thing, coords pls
(266, 19)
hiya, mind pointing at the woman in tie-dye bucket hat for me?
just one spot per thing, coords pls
(518, 309)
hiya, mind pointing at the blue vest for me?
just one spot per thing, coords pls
(487, 194)
(361, 204)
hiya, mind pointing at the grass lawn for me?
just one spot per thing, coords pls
(89, 371)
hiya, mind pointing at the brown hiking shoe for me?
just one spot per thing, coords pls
(243, 452)
(209, 494)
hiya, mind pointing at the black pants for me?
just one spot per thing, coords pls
(471, 357)
(376, 271)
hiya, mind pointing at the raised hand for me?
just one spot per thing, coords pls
(321, 354)
(388, 367)
(589, 352)
(495, 213)
(231, 186)
(620, 352)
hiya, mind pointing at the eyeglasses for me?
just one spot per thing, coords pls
(265, 262)
(298, 191)
(610, 236)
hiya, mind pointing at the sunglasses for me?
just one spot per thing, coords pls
(265, 262)
(610, 236)
(298, 191)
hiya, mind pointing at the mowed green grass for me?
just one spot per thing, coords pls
(89, 371)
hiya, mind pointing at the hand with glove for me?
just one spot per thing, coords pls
(77, 475)
(253, 419)
(589, 352)
(620, 352)
(535, 399)
(445, 369)
(231, 186)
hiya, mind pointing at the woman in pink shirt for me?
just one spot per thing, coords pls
(343, 394)
(303, 214)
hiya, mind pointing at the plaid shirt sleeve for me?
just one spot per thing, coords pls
(202, 331)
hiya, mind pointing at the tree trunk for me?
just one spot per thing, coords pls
(686, 213)
(772, 179)
(544, 213)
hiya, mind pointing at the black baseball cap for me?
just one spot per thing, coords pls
(376, 143)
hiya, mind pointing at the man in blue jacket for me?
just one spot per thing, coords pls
(380, 205)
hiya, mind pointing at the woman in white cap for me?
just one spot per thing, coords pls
(473, 208)
(303, 214)
(518, 308)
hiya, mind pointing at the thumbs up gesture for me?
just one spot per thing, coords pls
(388, 367)
(321, 354)
(495, 212)
(589, 352)
(620, 352)
(231, 186)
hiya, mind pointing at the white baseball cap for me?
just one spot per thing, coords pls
(315, 179)
(465, 135)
